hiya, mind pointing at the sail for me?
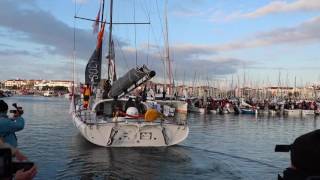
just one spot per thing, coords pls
(131, 78)
(93, 68)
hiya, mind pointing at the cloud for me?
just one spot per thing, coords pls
(80, 1)
(10, 52)
(306, 32)
(283, 7)
(191, 8)
(54, 39)
(186, 59)
(43, 28)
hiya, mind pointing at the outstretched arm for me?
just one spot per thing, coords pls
(9, 126)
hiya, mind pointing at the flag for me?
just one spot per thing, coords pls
(95, 25)
(93, 68)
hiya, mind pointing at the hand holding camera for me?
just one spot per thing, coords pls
(8, 167)
(18, 110)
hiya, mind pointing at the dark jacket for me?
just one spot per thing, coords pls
(292, 174)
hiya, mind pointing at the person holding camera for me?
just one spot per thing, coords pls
(305, 157)
(20, 174)
(8, 126)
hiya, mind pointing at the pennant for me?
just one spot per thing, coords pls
(95, 24)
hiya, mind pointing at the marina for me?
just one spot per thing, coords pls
(219, 146)
(144, 89)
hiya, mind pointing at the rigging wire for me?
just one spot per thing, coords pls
(135, 31)
(122, 53)
(147, 12)
(74, 48)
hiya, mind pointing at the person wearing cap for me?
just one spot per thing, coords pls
(8, 126)
(305, 158)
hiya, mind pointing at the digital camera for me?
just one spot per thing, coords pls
(7, 167)
(18, 109)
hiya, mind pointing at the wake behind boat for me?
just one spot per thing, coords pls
(105, 118)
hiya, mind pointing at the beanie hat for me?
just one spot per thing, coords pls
(305, 153)
(3, 106)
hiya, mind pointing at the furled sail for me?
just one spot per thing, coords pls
(93, 68)
(130, 80)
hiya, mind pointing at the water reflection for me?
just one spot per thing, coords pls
(218, 147)
(91, 162)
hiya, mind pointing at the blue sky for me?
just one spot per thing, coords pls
(214, 39)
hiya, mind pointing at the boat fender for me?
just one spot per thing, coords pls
(151, 115)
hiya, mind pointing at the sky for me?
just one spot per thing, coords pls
(263, 42)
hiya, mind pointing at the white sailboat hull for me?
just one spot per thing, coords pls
(180, 106)
(307, 112)
(131, 134)
(292, 112)
(197, 110)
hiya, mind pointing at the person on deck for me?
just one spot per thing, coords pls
(144, 94)
(139, 106)
(106, 89)
(129, 103)
(164, 95)
(116, 107)
(86, 96)
(8, 126)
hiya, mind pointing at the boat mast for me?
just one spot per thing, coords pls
(110, 40)
(167, 58)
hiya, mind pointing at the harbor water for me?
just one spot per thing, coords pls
(218, 147)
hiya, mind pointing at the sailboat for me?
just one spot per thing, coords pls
(105, 122)
(170, 100)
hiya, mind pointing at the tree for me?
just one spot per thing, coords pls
(60, 88)
(45, 88)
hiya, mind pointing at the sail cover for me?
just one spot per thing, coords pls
(131, 78)
(93, 68)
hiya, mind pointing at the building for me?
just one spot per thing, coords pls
(15, 83)
(53, 83)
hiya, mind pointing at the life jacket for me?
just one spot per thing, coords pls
(87, 91)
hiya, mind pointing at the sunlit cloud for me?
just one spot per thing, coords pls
(306, 32)
(275, 7)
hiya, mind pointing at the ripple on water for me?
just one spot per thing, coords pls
(218, 147)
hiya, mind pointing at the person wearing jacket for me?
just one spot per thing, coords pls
(305, 158)
(8, 126)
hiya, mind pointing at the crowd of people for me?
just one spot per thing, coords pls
(8, 139)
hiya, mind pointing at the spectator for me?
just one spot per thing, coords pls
(305, 158)
(20, 174)
(8, 126)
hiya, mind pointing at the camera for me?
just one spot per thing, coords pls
(7, 167)
(17, 110)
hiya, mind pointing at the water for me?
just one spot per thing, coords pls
(218, 147)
